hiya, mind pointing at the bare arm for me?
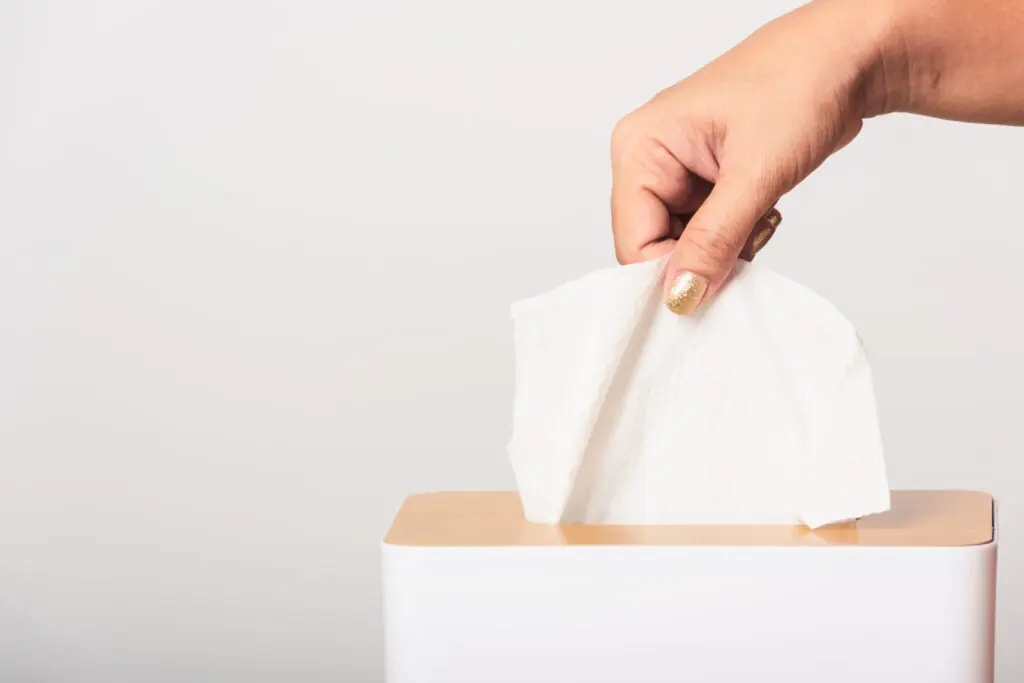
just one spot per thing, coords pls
(699, 168)
(956, 59)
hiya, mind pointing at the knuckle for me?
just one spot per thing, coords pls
(763, 179)
(661, 169)
(622, 130)
(624, 133)
(713, 247)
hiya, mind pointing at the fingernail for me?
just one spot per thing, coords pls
(686, 292)
(766, 228)
(761, 239)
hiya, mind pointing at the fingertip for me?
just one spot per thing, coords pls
(709, 256)
(712, 241)
(685, 292)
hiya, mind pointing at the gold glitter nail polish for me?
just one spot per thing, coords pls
(761, 239)
(773, 218)
(686, 292)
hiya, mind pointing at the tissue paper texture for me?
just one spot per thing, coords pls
(759, 409)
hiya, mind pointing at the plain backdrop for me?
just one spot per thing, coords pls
(255, 266)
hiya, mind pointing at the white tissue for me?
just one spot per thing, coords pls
(759, 409)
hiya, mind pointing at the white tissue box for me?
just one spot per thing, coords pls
(473, 593)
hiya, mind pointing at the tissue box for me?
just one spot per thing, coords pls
(473, 593)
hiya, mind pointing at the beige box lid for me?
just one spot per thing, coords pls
(495, 518)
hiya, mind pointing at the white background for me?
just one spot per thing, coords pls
(255, 267)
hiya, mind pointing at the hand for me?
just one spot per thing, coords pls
(699, 168)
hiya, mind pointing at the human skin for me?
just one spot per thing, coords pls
(697, 170)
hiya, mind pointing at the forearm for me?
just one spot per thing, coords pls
(953, 59)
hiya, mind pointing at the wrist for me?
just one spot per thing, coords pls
(894, 70)
(882, 86)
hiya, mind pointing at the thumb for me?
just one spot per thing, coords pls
(707, 250)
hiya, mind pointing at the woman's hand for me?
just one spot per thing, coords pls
(700, 166)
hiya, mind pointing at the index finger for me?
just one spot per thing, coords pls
(646, 218)
(645, 204)
(641, 224)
